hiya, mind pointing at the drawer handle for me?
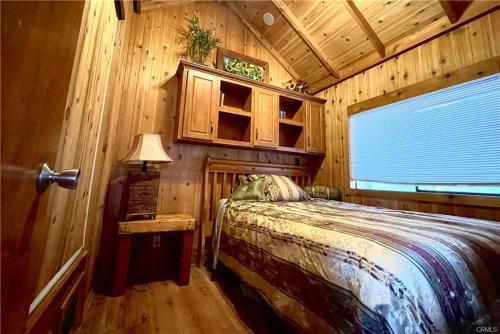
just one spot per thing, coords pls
(256, 134)
(211, 127)
(308, 140)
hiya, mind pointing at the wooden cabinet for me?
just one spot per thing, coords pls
(291, 124)
(200, 103)
(315, 128)
(266, 118)
(221, 108)
(234, 123)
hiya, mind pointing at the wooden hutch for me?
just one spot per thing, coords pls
(221, 108)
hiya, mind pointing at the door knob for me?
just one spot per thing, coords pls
(67, 178)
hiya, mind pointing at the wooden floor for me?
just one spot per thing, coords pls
(204, 306)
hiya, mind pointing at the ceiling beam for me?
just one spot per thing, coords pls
(363, 24)
(137, 6)
(120, 9)
(454, 9)
(426, 34)
(160, 4)
(262, 39)
(305, 36)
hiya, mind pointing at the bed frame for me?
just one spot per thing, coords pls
(221, 177)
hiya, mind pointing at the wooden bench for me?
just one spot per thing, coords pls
(163, 223)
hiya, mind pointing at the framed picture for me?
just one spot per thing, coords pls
(242, 65)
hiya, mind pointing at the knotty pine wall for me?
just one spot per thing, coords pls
(76, 215)
(142, 96)
(147, 79)
(108, 48)
(472, 43)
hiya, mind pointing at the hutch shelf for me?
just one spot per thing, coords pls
(220, 108)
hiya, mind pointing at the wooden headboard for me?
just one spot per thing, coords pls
(221, 177)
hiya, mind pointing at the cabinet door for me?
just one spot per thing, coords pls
(315, 128)
(200, 106)
(266, 118)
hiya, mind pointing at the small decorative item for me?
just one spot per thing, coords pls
(242, 65)
(299, 85)
(244, 69)
(222, 95)
(141, 191)
(199, 42)
(282, 114)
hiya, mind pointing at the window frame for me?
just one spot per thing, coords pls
(472, 72)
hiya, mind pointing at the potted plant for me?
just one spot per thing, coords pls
(199, 42)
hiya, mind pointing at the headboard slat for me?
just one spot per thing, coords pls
(214, 197)
(233, 181)
(231, 169)
(225, 191)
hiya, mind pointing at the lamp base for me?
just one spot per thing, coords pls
(141, 195)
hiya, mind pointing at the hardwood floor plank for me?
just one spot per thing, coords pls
(204, 306)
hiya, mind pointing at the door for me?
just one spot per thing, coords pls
(266, 118)
(315, 128)
(200, 106)
(39, 43)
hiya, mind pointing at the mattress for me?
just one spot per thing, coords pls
(331, 267)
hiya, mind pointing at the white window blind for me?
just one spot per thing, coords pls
(450, 136)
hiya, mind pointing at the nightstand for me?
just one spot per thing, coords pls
(163, 223)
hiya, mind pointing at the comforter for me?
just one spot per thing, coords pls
(331, 267)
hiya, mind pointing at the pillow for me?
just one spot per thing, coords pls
(248, 178)
(323, 192)
(282, 188)
(253, 190)
(243, 179)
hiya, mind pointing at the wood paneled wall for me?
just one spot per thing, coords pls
(153, 50)
(142, 96)
(472, 43)
(107, 53)
(83, 135)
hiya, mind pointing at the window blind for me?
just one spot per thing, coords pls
(449, 136)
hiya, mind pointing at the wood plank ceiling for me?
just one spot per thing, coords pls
(326, 42)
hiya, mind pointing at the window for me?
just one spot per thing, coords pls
(444, 141)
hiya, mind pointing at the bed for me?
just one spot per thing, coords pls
(330, 267)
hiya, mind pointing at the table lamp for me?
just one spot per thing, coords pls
(141, 189)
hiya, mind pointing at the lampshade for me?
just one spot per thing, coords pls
(147, 147)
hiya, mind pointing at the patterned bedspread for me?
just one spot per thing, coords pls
(331, 267)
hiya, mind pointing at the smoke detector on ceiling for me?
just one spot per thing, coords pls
(268, 19)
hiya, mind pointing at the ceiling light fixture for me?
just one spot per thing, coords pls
(268, 19)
